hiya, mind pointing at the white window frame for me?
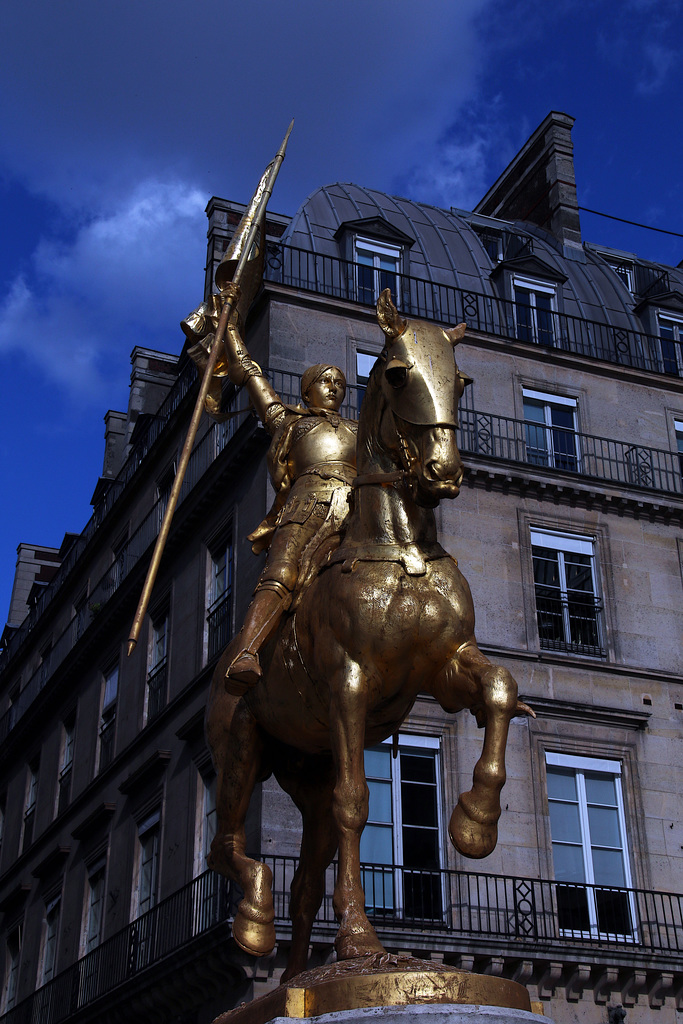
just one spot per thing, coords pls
(406, 743)
(225, 551)
(97, 876)
(157, 657)
(580, 765)
(678, 430)
(50, 939)
(66, 759)
(377, 250)
(548, 399)
(151, 826)
(206, 894)
(569, 542)
(108, 713)
(533, 286)
(674, 321)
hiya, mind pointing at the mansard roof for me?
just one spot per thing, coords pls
(449, 248)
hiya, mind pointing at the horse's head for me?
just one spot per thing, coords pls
(422, 386)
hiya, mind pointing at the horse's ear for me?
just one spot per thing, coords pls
(388, 318)
(456, 334)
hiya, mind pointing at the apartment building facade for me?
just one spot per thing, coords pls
(569, 529)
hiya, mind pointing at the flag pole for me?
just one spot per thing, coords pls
(258, 205)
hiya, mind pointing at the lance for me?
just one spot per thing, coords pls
(241, 247)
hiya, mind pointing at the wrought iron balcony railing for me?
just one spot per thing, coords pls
(537, 916)
(430, 300)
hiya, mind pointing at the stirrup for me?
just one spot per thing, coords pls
(245, 669)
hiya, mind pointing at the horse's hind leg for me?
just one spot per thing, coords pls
(237, 746)
(311, 788)
(490, 692)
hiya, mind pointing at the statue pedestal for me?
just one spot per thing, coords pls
(388, 989)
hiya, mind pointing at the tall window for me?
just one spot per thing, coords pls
(51, 933)
(12, 959)
(589, 845)
(66, 765)
(108, 717)
(671, 342)
(30, 805)
(94, 912)
(678, 425)
(550, 430)
(164, 488)
(120, 564)
(80, 619)
(401, 838)
(219, 615)
(157, 667)
(364, 364)
(148, 863)
(207, 891)
(377, 267)
(3, 805)
(624, 271)
(567, 607)
(534, 311)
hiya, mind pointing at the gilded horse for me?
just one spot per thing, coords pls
(388, 616)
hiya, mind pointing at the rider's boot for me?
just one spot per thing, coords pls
(263, 615)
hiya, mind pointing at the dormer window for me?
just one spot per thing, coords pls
(624, 272)
(377, 268)
(535, 304)
(671, 342)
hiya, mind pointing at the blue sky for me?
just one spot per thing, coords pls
(119, 121)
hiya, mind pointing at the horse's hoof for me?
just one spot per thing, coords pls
(357, 944)
(472, 838)
(253, 930)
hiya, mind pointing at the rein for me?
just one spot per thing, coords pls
(384, 479)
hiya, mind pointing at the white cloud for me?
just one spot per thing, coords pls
(658, 61)
(127, 277)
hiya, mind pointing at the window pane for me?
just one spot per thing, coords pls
(561, 783)
(420, 848)
(418, 803)
(578, 572)
(604, 827)
(601, 789)
(364, 364)
(608, 867)
(418, 768)
(546, 567)
(565, 824)
(376, 845)
(380, 801)
(378, 764)
(568, 861)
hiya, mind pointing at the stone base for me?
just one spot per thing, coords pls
(377, 985)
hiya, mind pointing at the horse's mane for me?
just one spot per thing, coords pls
(370, 414)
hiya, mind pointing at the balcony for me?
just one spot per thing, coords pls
(430, 300)
(445, 910)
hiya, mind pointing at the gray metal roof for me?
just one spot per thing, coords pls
(448, 249)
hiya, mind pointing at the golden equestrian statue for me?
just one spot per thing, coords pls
(385, 615)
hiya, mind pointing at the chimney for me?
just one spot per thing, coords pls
(539, 184)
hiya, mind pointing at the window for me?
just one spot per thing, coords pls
(157, 670)
(402, 837)
(534, 308)
(219, 615)
(94, 915)
(364, 364)
(45, 663)
(66, 766)
(50, 935)
(120, 564)
(207, 891)
(108, 717)
(376, 269)
(670, 339)
(567, 608)
(678, 426)
(148, 864)
(30, 805)
(3, 805)
(589, 848)
(80, 619)
(624, 271)
(13, 958)
(164, 488)
(550, 430)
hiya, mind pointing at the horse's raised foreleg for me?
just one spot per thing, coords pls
(356, 936)
(490, 693)
(311, 788)
(237, 746)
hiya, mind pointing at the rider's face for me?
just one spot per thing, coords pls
(327, 392)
